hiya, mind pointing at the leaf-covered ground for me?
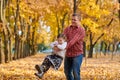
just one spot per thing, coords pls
(102, 68)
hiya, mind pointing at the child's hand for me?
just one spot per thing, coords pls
(56, 48)
(55, 45)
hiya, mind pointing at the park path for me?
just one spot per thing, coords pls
(95, 69)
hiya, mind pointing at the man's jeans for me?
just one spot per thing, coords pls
(72, 67)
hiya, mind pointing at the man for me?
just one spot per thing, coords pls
(74, 50)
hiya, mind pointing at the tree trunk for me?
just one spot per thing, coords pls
(21, 49)
(22, 36)
(108, 49)
(6, 47)
(9, 32)
(117, 48)
(1, 55)
(91, 51)
(58, 25)
(18, 48)
(5, 33)
(63, 21)
(119, 10)
(1, 10)
(1, 26)
(75, 6)
(113, 49)
(19, 38)
(84, 49)
(33, 43)
(15, 31)
(10, 47)
(101, 47)
(25, 31)
(93, 44)
(105, 48)
(90, 55)
(28, 41)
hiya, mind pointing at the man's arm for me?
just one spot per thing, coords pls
(79, 36)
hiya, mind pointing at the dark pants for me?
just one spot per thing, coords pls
(72, 67)
(51, 61)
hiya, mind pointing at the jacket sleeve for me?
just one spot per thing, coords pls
(63, 46)
(53, 44)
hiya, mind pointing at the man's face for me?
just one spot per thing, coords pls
(75, 21)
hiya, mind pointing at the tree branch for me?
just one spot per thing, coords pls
(103, 33)
(98, 38)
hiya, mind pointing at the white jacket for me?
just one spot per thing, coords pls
(60, 46)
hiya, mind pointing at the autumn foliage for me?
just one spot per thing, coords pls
(25, 24)
(102, 68)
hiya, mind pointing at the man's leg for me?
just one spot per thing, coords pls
(77, 61)
(68, 68)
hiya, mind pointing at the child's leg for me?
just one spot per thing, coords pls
(58, 64)
(44, 66)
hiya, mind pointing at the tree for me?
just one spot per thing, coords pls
(96, 19)
(5, 28)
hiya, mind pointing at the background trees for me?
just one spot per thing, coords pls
(26, 23)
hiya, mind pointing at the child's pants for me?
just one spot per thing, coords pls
(51, 61)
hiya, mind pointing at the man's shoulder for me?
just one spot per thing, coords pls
(81, 28)
(67, 27)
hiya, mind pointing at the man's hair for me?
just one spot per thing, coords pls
(78, 15)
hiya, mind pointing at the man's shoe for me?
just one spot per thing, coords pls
(38, 68)
(40, 75)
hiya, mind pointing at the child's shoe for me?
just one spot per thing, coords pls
(40, 75)
(38, 68)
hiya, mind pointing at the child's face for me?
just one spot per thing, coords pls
(60, 40)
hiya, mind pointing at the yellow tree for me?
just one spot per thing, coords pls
(111, 37)
(40, 7)
(23, 19)
(29, 24)
(57, 16)
(95, 14)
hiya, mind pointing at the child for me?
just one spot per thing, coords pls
(55, 59)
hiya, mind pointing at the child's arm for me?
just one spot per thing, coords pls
(52, 45)
(56, 48)
(62, 46)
